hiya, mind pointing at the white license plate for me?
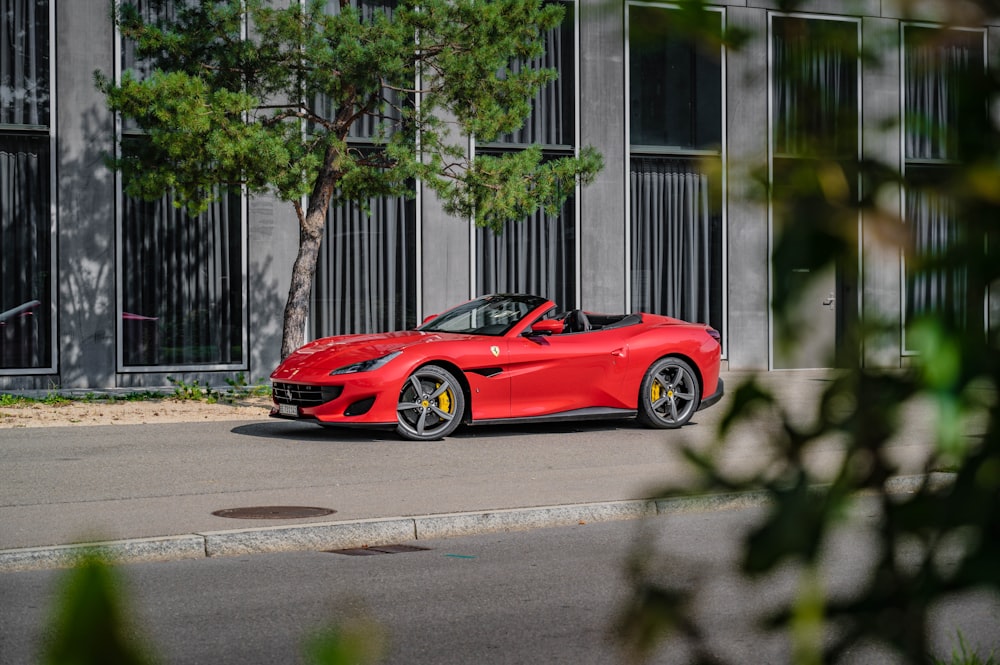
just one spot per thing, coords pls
(288, 410)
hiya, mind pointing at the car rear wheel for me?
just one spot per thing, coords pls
(431, 404)
(669, 394)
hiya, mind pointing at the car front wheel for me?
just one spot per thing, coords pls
(431, 404)
(669, 394)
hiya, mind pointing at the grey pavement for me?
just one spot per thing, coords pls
(148, 492)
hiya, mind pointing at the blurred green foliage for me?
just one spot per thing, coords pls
(92, 625)
(953, 379)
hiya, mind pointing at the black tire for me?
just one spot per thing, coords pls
(431, 404)
(669, 394)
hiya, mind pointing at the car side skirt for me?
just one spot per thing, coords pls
(714, 397)
(593, 413)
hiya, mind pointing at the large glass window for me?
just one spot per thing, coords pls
(366, 276)
(182, 301)
(675, 84)
(26, 337)
(537, 255)
(181, 277)
(940, 71)
(815, 88)
(675, 129)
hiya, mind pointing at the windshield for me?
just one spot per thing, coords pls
(489, 315)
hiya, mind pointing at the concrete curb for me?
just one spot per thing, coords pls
(166, 548)
(395, 530)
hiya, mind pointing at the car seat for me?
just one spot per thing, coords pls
(577, 321)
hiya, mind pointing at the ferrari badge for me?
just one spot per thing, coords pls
(495, 350)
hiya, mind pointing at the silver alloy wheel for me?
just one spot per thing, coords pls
(431, 404)
(669, 394)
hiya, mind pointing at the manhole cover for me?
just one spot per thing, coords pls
(273, 512)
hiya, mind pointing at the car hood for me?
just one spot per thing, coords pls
(317, 359)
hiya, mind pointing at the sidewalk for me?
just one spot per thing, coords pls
(148, 491)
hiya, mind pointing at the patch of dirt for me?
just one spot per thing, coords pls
(120, 412)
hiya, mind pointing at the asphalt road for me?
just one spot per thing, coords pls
(543, 596)
(78, 484)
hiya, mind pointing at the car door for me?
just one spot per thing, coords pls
(554, 373)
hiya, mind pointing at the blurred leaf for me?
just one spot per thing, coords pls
(793, 528)
(355, 642)
(808, 619)
(90, 626)
(748, 399)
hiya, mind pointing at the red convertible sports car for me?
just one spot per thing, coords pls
(504, 358)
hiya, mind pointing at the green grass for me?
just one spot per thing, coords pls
(238, 389)
(962, 656)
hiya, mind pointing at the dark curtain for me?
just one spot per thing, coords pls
(675, 270)
(388, 116)
(155, 12)
(930, 286)
(366, 277)
(25, 186)
(24, 62)
(536, 255)
(939, 67)
(25, 245)
(815, 87)
(366, 273)
(182, 276)
(552, 120)
(933, 76)
(152, 11)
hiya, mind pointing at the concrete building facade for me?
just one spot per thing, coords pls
(682, 130)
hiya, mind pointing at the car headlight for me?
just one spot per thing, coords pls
(365, 365)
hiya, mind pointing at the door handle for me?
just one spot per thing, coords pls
(619, 353)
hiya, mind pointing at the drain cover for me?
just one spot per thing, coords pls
(273, 512)
(381, 549)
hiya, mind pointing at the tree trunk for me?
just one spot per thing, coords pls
(303, 273)
(311, 226)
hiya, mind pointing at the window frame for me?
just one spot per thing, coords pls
(679, 153)
(548, 150)
(121, 367)
(49, 132)
(905, 162)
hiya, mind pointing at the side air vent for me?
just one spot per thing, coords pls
(302, 395)
(486, 371)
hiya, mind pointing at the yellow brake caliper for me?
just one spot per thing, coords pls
(444, 400)
(654, 391)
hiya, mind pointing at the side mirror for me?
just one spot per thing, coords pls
(428, 318)
(546, 327)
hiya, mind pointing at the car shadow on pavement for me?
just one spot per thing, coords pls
(311, 431)
(291, 430)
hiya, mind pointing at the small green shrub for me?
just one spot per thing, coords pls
(240, 388)
(55, 399)
(193, 391)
